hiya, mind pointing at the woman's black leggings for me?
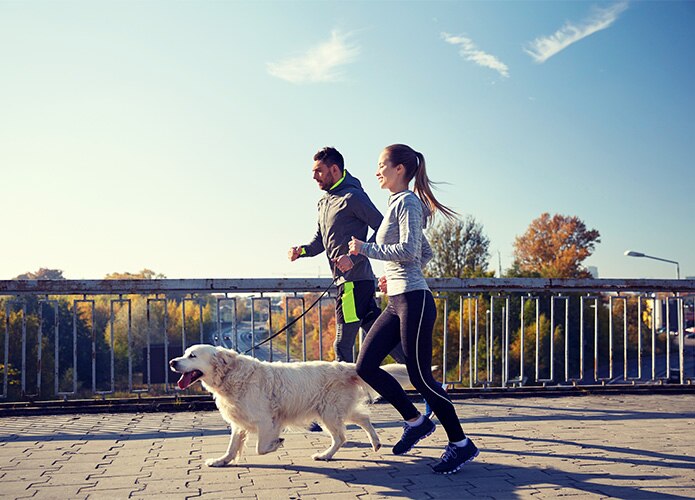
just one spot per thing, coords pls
(409, 319)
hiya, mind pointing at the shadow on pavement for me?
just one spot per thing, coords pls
(659, 459)
(382, 474)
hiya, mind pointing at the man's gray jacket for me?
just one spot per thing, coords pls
(344, 211)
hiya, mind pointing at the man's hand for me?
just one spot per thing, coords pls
(344, 263)
(355, 246)
(294, 253)
(382, 284)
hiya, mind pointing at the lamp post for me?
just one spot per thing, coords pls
(632, 253)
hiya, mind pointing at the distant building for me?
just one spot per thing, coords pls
(593, 270)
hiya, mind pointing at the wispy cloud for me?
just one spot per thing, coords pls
(322, 63)
(543, 48)
(470, 52)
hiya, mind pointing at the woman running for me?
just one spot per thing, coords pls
(410, 314)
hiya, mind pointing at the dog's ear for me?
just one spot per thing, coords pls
(226, 356)
(222, 362)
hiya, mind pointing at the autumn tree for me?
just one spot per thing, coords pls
(460, 248)
(145, 274)
(554, 247)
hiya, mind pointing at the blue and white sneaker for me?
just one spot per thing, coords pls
(411, 435)
(455, 457)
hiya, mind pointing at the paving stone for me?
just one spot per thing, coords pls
(226, 495)
(73, 467)
(171, 486)
(542, 491)
(59, 492)
(277, 493)
(15, 489)
(92, 458)
(105, 494)
(324, 485)
(67, 479)
(116, 482)
(332, 496)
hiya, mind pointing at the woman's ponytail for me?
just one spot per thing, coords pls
(414, 163)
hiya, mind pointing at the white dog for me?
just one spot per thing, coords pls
(261, 397)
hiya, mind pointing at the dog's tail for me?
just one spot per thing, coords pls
(397, 371)
(400, 373)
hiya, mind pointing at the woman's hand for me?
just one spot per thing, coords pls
(382, 284)
(355, 246)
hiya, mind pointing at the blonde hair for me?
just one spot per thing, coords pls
(414, 164)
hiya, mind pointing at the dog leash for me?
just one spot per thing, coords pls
(295, 319)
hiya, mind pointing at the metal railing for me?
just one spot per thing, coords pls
(114, 337)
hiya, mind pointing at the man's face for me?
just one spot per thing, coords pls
(324, 175)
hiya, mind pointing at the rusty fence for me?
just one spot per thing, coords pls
(113, 338)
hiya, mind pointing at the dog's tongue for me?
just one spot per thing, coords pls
(185, 380)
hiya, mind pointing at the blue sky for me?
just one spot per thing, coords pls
(178, 136)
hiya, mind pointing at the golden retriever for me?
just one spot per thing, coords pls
(264, 398)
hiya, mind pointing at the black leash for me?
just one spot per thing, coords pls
(294, 320)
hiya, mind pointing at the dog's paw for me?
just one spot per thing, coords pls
(270, 447)
(216, 462)
(277, 444)
(322, 456)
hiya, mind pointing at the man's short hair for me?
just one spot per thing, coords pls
(330, 156)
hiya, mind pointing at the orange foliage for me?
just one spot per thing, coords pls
(555, 247)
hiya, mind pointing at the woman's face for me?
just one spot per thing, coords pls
(386, 173)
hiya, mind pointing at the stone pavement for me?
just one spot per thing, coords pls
(598, 446)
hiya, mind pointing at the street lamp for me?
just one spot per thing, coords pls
(632, 253)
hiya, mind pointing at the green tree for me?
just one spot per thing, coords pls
(72, 320)
(42, 274)
(460, 248)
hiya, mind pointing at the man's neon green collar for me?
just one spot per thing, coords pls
(338, 183)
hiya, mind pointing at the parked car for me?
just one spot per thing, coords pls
(663, 330)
